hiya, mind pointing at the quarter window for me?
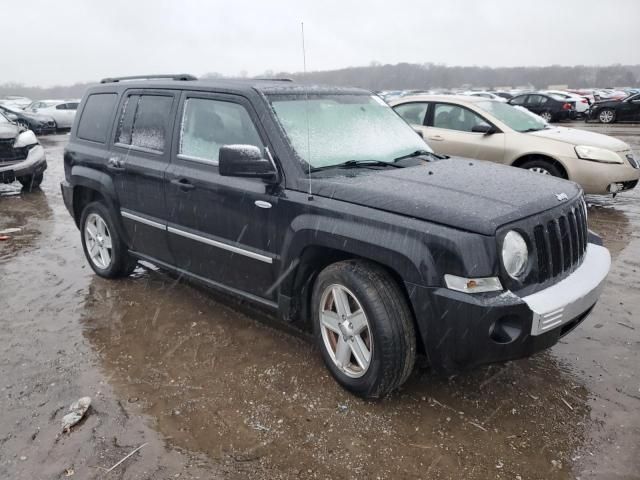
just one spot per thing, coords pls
(413, 113)
(453, 117)
(143, 122)
(97, 117)
(208, 125)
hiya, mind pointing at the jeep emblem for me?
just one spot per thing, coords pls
(562, 197)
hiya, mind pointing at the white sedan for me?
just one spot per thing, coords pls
(62, 111)
(489, 95)
(581, 103)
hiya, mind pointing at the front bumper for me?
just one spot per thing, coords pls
(461, 331)
(596, 177)
(34, 164)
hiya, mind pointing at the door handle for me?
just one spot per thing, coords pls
(115, 164)
(183, 184)
(436, 138)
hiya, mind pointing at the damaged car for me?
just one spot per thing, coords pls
(323, 206)
(22, 158)
(35, 122)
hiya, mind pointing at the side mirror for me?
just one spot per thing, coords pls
(484, 128)
(244, 161)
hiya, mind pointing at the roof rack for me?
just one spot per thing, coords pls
(180, 77)
(275, 79)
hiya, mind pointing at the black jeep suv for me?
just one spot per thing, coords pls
(322, 204)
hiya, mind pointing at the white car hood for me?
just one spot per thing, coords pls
(581, 137)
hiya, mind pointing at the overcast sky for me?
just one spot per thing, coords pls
(62, 42)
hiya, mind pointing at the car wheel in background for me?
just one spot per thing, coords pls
(104, 248)
(31, 182)
(543, 167)
(547, 116)
(607, 115)
(364, 328)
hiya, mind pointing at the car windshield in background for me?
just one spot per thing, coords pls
(514, 118)
(343, 128)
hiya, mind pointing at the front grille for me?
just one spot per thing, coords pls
(10, 154)
(633, 161)
(561, 242)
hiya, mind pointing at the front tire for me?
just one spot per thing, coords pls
(31, 182)
(543, 167)
(364, 328)
(607, 115)
(104, 248)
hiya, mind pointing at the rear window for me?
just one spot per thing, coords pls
(96, 117)
(143, 122)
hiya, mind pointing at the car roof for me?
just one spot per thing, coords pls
(443, 98)
(266, 86)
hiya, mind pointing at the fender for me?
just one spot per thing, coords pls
(95, 180)
(417, 252)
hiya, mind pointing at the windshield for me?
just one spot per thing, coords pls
(513, 117)
(343, 128)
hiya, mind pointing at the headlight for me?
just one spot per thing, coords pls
(515, 254)
(25, 139)
(597, 154)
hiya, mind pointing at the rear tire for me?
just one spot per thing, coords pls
(607, 115)
(547, 116)
(31, 182)
(369, 346)
(543, 167)
(104, 248)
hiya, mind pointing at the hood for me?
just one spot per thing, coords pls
(8, 130)
(581, 137)
(473, 195)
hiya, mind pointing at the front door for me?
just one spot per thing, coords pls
(629, 110)
(219, 227)
(138, 160)
(450, 132)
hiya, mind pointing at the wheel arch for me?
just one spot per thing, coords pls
(518, 162)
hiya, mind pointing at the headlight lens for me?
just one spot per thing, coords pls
(25, 139)
(596, 154)
(515, 254)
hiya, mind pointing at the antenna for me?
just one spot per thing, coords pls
(306, 108)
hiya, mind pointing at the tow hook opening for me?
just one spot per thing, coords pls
(506, 329)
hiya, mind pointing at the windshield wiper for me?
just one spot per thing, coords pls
(357, 164)
(418, 153)
(533, 130)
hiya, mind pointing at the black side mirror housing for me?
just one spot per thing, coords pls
(486, 129)
(244, 161)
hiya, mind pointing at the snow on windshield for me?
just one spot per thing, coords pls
(327, 130)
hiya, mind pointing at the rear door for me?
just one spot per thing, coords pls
(139, 158)
(449, 132)
(220, 228)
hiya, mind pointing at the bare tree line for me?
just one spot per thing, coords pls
(413, 76)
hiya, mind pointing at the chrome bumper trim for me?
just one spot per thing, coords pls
(572, 296)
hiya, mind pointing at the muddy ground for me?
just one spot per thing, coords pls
(213, 390)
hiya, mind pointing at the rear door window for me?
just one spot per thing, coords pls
(96, 117)
(143, 122)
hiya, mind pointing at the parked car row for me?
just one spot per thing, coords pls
(42, 116)
(475, 127)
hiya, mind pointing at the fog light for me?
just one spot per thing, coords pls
(505, 329)
(615, 187)
(473, 285)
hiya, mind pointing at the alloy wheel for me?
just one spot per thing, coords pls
(606, 116)
(346, 332)
(98, 241)
(546, 116)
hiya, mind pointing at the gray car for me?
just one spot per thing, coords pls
(21, 156)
